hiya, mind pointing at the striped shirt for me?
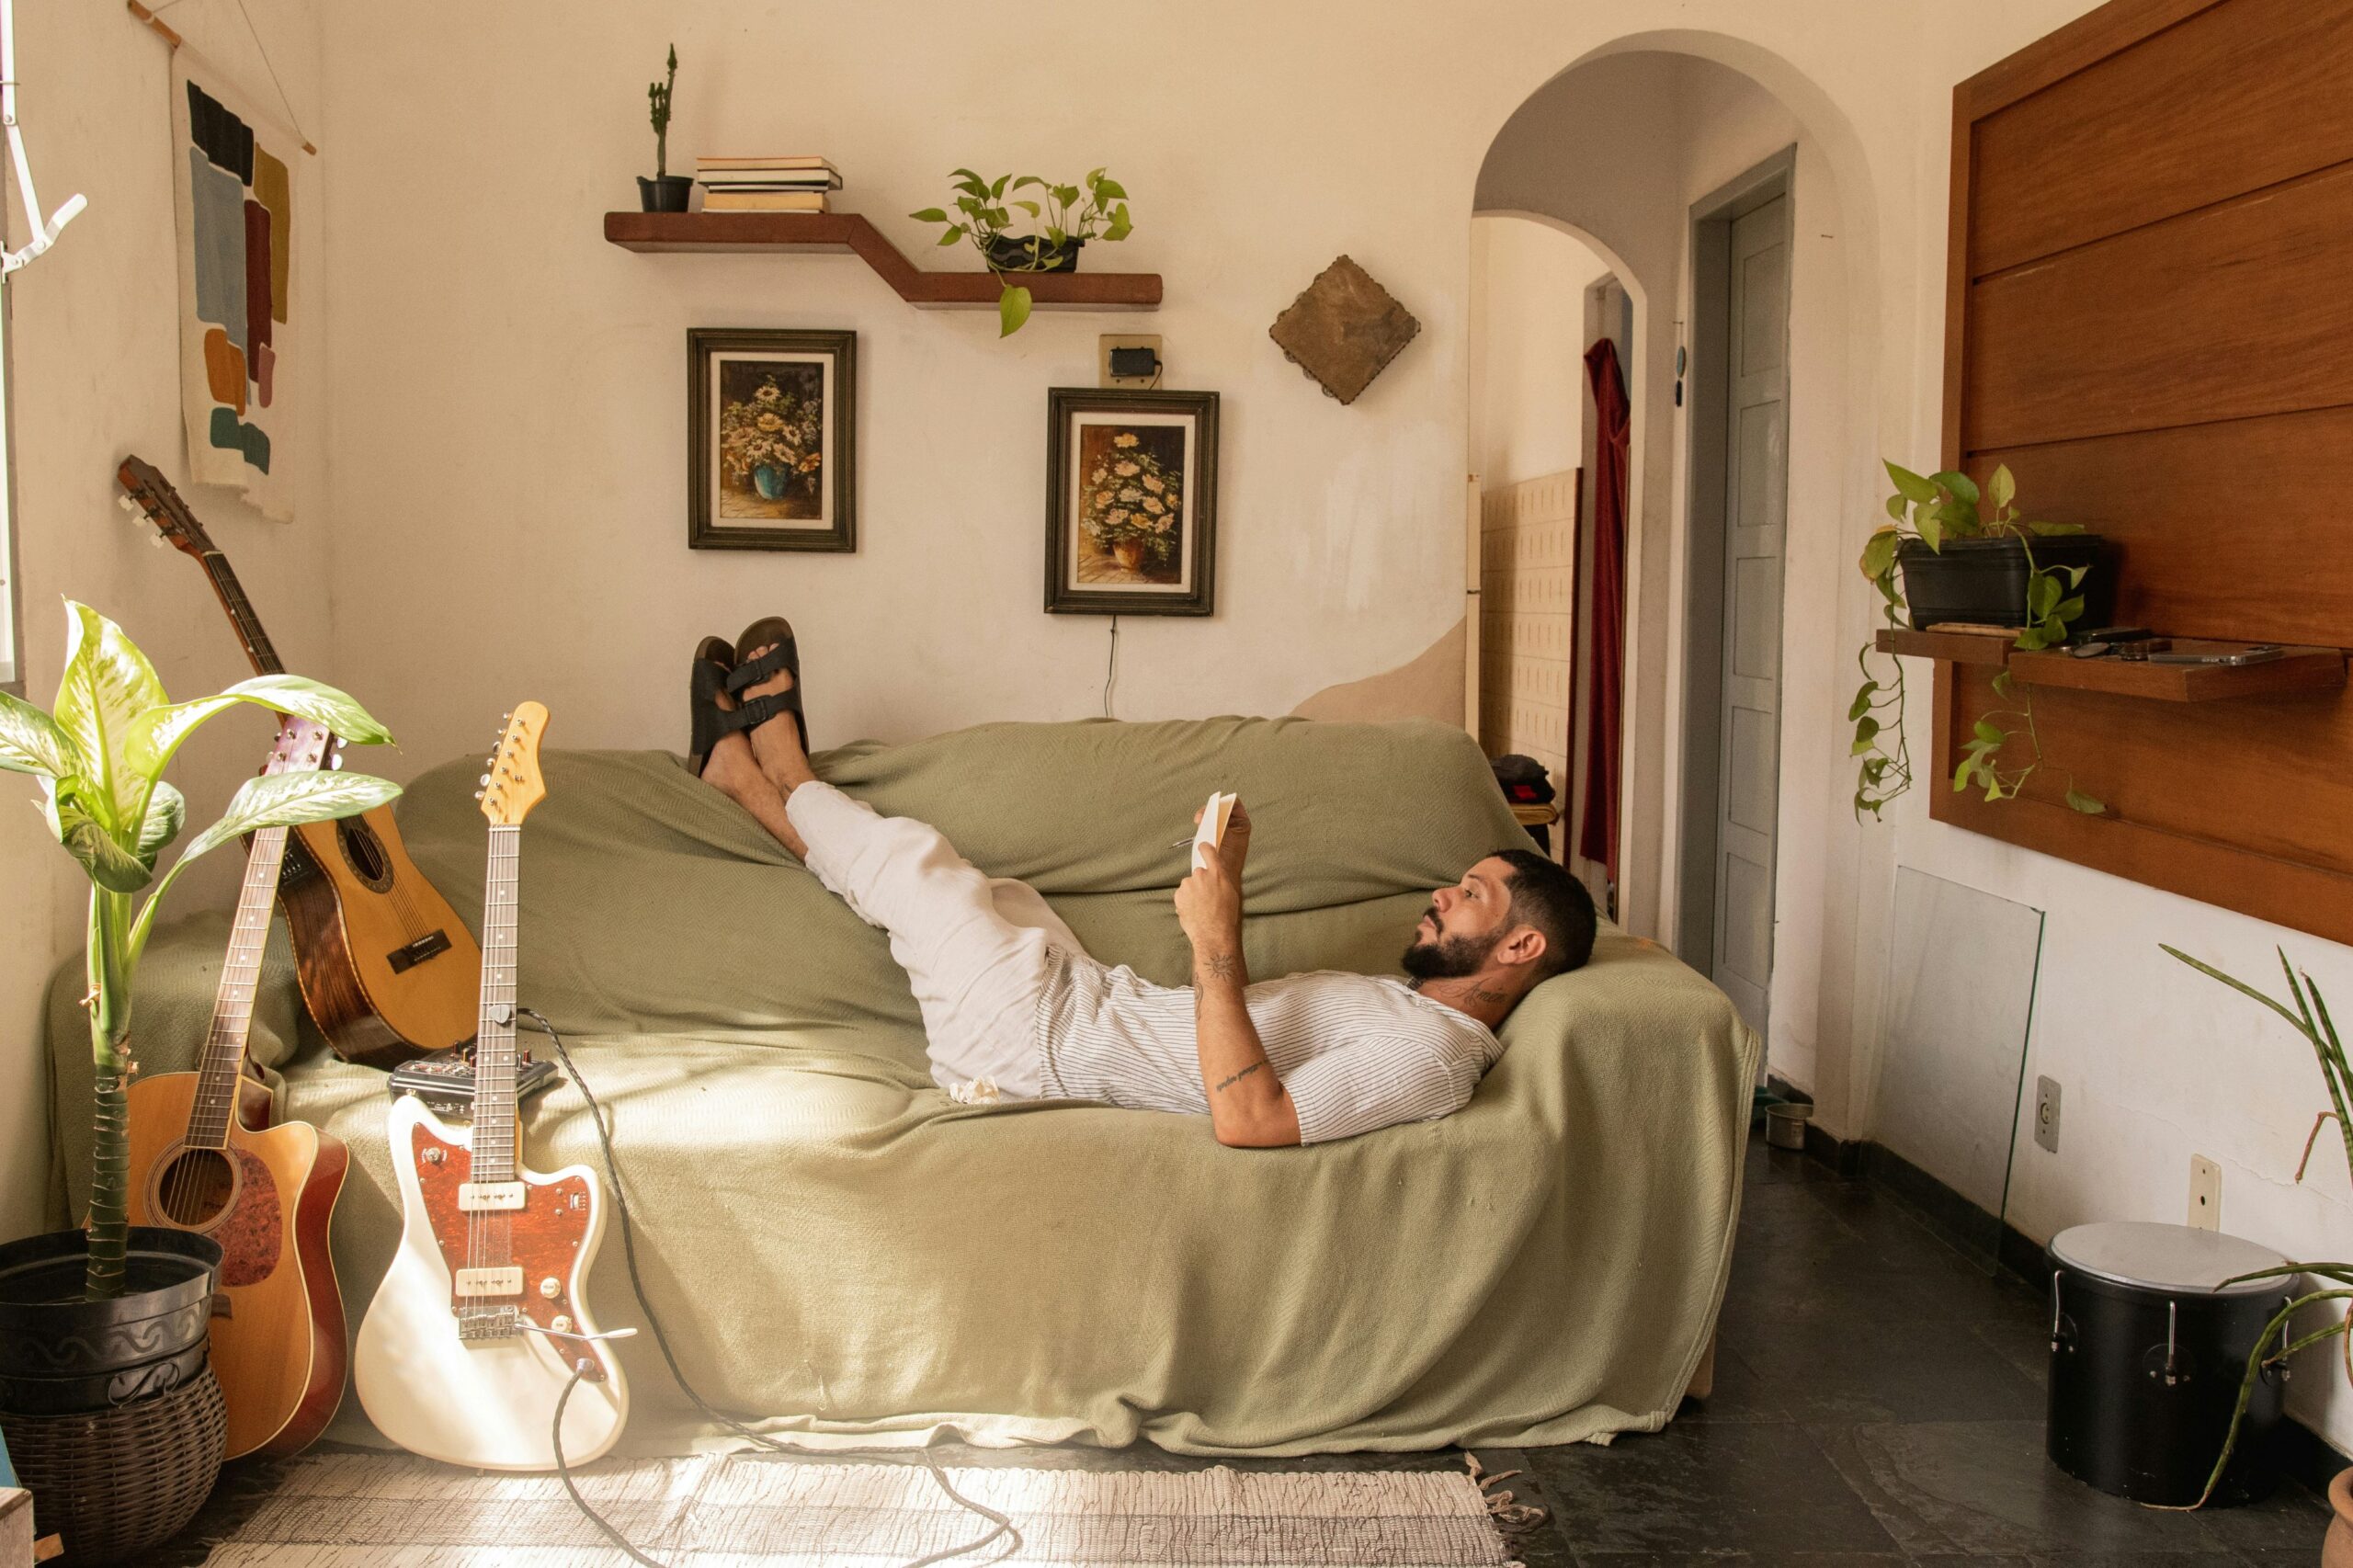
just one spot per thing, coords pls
(1356, 1052)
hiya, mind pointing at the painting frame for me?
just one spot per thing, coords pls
(757, 510)
(1072, 545)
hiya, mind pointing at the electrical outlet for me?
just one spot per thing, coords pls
(2205, 1194)
(2046, 1113)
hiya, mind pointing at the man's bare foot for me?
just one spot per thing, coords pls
(734, 770)
(777, 744)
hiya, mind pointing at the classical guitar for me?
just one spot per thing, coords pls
(386, 967)
(266, 1196)
(479, 1329)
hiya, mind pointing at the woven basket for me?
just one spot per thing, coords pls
(117, 1484)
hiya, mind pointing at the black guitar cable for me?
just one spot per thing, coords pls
(1000, 1524)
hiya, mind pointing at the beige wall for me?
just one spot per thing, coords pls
(95, 350)
(1527, 348)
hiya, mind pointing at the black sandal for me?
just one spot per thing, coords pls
(706, 678)
(775, 633)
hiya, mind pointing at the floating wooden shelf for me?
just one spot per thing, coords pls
(2295, 670)
(1954, 647)
(850, 231)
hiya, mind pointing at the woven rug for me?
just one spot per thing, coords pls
(373, 1511)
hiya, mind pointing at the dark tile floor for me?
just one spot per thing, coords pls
(1877, 1403)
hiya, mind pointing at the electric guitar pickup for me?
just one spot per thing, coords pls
(479, 1330)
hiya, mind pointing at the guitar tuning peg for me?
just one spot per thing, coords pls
(126, 503)
(485, 779)
(155, 541)
(477, 794)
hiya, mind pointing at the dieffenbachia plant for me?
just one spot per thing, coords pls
(1932, 508)
(98, 755)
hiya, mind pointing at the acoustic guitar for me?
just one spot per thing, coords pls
(478, 1332)
(266, 1196)
(387, 969)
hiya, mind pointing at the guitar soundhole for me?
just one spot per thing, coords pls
(195, 1187)
(364, 853)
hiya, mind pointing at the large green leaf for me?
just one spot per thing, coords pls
(30, 741)
(109, 865)
(1910, 485)
(1011, 310)
(1879, 552)
(167, 814)
(108, 684)
(1962, 487)
(282, 799)
(157, 733)
(2001, 488)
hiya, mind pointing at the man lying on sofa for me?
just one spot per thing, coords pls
(1013, 1007)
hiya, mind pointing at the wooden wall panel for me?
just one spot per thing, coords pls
(2185, 119)
(2150, 320)
(2232, 311)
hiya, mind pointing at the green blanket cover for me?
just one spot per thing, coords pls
(843, 1253)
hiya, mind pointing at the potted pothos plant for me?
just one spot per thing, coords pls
(665, 192)
(2309, 1017)
(103, 1330)
(1953, 552)
(1063, 219)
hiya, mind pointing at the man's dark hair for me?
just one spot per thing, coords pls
(1543, 894)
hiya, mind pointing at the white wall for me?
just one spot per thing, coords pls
(95, 350)
(1527, 348)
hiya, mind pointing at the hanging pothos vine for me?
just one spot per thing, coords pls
(1931, 509)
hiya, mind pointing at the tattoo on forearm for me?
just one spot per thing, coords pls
(1220, 966)
(1238, 1077)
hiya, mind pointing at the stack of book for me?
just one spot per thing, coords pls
(766, 185)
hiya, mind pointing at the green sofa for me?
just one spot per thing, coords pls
(841, 1251)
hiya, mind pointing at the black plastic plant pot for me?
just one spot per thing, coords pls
(61, 1355)
(1010, 253)
(1983, 581)
(664, 193)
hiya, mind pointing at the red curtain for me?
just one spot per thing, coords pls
(1598, 833)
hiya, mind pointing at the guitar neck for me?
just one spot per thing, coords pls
(223, 1059)
(494, 1053)
(232, 594)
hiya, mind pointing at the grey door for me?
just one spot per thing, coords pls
(1755, 500)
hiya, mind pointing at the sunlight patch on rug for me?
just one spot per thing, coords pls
(375, 1511)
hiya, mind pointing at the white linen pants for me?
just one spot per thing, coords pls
(974, 947)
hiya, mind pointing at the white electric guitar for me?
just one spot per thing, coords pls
(479, 1328)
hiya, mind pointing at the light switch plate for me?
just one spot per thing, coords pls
(2205, 1194)
(2046, 1113)
(1110, 341)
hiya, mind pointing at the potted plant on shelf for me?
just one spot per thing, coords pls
(2309, 1019)
(665, 192)
(107, 1404)
(1065, 218)
(1963, 555)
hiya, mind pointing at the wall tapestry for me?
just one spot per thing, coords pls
(234, 178)
(1130, 502)
(771, 440)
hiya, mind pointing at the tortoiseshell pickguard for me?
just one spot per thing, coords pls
(254, 1229)
(544, 1238)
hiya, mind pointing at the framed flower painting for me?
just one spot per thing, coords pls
(1130, 502)
(771, 440)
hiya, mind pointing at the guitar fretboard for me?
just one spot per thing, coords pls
(494, 1116)
(258, 650)
(233, 1005)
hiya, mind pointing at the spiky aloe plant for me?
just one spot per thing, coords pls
(99, 753)
(2309, 1019)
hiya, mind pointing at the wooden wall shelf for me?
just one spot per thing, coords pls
(2295, 670)
(818, 232)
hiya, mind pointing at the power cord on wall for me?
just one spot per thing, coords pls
(1111, 667)
(1000, 1524)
